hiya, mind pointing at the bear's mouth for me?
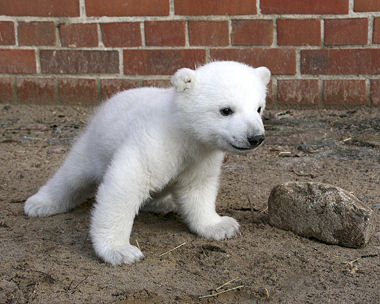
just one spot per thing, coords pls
(241, 148)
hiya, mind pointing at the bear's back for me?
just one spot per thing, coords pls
(128, 113)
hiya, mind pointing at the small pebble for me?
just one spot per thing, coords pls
(39, 127)
(56, 150)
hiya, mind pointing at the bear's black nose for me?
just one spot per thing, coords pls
(255, 140)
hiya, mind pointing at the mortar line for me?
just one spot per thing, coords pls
(100, 36)
(322, 28)
(194, 47)
(370, 29)
(99, 89)
(56, 90)
(90, 19)
(368, 92)
(274, 42)
(58, 43)
(15, 25)
(171, 8)
(321, 102)
(121, 62)
(82, 9)
(58, 33)
(14, 86)
(38, 64)
(298, 62)
(229, 22)
(208, 56)
(275, 91)
(258, 8)
(187, 35)
(142, 33)
(350, 7)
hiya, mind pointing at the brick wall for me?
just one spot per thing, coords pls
(322, 53)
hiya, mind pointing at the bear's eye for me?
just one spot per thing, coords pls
(259, 110)
(226, 111)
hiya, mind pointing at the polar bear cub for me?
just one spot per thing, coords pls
(160, 149)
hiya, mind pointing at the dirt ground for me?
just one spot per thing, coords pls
(51, 260)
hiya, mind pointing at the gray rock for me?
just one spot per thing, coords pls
(321, 211)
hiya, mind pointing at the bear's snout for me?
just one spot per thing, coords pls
(255, 140)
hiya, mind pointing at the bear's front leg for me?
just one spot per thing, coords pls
(196, 197)
(118, 200)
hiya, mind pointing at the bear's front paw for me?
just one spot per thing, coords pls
(227, 227)
(126, 255)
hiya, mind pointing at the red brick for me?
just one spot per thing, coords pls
(37, 33)
(304, 6)
(252, 32)
(7, 33)
(161, 62)
(6, 89)
(79, 62)
(298, 91)
(343, 61)
(367, 6)
(376, 30)
(121, 34)
(210, 33)
(127, 8)
(346, 31)
(51, 8)
(215, 7)
(165, 33)
(77, 90)
(36, 90)
(109, 87)
(298, 32)
(375, 92)
(344, 92)
(17, 61)
(79, 35)
(279, 61)
(158, 83)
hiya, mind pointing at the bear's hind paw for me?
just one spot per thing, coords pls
(40, 206)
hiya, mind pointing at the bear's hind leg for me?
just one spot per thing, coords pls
(71, 184)
(160, 205)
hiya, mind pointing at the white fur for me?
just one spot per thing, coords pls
(162, 149)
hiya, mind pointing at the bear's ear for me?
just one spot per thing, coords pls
(264, 74)
(183, 80)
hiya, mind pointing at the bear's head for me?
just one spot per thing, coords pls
(221, 104)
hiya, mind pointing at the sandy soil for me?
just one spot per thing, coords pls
(50, 260)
